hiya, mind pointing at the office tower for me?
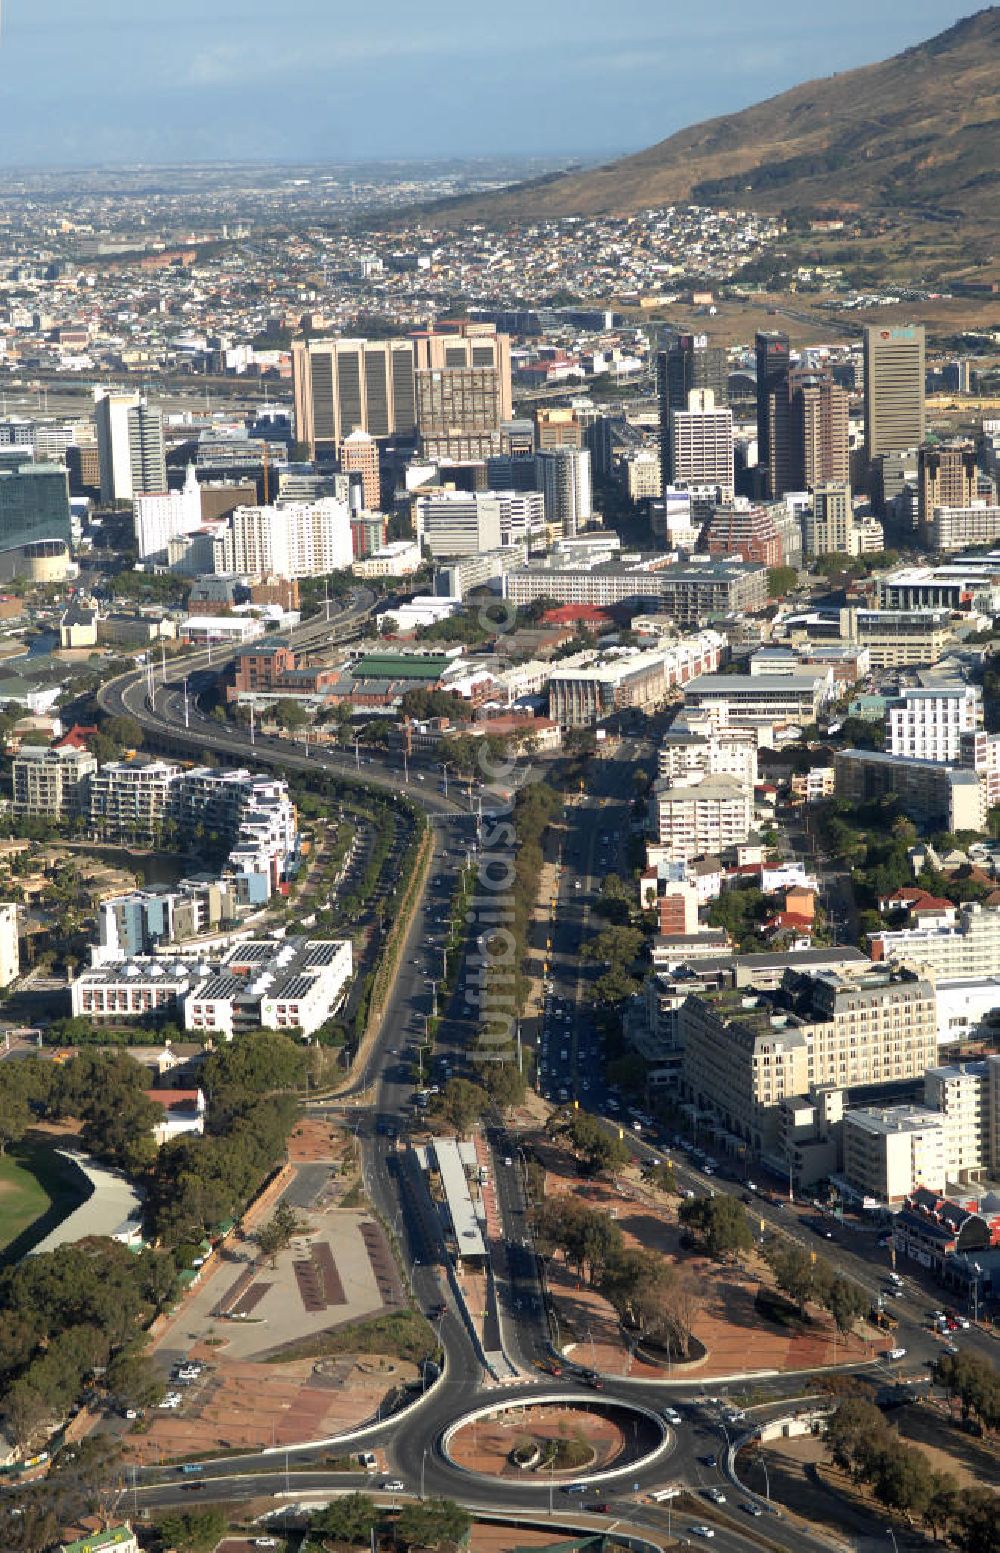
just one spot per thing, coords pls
(701, 442)
(807, 433)
(829, 528)
(34, 506)
(344, 385)
(359, 455)
(598, 438)
(452, 522)
(466, 345)
(147, 457)
(565, 482)
(10, 960)
(517, 439)
(946, 477)
(771, 349)
(688, 364)
(157, 519)
(458, 412)
(111, 421)
(744, 531)
(894, 389)
(557, 428)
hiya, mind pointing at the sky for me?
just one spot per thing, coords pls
(84, 82)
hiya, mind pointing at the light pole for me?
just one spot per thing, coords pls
(423, 1471)
(890, 1533)
(767, 1478)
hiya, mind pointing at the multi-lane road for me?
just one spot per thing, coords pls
(569, 1067)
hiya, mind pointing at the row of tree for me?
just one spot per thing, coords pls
(424, 1523)
(900, 1476)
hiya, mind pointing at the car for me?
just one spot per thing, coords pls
(392, 1486)
(896, 1354)
(597, 1509)
(751, 1508)
(577, 1488)
(192, 1488)
(964, 1323)
(192, 1467)
(507, 1161)
(716, 1495)
(671, 1415)
(265, 1542)
(709, 1461)
(702, 1531)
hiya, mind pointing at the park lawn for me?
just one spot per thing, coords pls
(33, 1181)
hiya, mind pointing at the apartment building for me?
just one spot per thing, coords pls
(744, 530)
(890, 1150)
(128, 800)
(138, 988)
(296, 539)
(968, 951)
(701, 442)
(961, 1093)
(10, 957)
(457, 523)
(828, 529)
(746, 1053)
(928, 724)
(564, 479)
(946, 477)
(716, 752)
(294, 984)
(950, 796)
(51, 783)
(703, 816)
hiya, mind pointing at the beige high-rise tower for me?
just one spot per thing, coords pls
(345, 385)
(894, 389)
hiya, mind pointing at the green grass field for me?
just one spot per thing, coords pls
(34, 1182)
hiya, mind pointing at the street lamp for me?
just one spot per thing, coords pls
(423, 1471)
(890, 1533)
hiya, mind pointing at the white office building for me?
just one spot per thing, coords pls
(928, 724)
(452, 523)
(160, 518)
(111, 421)
(701, 443)
(761, 699)
(10, 959)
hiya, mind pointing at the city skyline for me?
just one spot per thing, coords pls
(220, 81)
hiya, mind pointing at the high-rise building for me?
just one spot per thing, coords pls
(342, 385)
(829, 527)
(771, 350)
(701, 442)
(894, 389)
(807, 433)
(557, 427)
(946, 477)
(742, 530)
(34, 506)
(51, 783)
(928, 723)
(111, 420)
(565, 482)
(10, 960)
(688, 364)
(463, 389)
(147, 456)
(298, 539)
(157, 519)
(453, 522)
(359, 455)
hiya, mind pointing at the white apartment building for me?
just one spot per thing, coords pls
(128, 799)
(399, 558)
(159, 518)
(960, 1094)
(710, 813)
(292, 984)
(928, 724)
(111, 422)
(701, 443)
(716, 752)
(458, 522)
(968, 951)
(589, 686)
(10, 958)
(296, 539)
(131, 989)
(51, 783)
(564, 480)
(890, 1150)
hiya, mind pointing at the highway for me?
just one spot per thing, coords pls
(376, 1105)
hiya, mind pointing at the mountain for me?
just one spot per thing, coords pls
(919, 132)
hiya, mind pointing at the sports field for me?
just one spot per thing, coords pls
(34, 1182)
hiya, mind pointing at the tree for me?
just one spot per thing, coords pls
(461, 1104)
(134, 1379)
(291, 715)
(601, 1149)
(15, 1116)
(348, 1519)
(192, 1531)
(846, 1302)
(720, 1222)
(433, 1523)
(976, 1528)
(793, 1268)
(277, 1234)
(257, 1063)
(655, 1299)
(942, 1502)
(505, 1084)
(781, 580)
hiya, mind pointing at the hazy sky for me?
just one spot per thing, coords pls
(85, 81)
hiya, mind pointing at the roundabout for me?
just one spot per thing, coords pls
(558, 1438)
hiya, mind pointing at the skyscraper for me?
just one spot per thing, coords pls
(701, 442)
(359, 455)
(771, 349)
(463, 389)
(829, 527)
(894, 389)
(946, 477)
(565, 483)
(111, 420)
(343, 385)
(147, 457)
(688, 364)
(807, 432)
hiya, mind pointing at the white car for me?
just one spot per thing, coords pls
(672, 1416)
(896, 1353)
(392, 1486)
(702, 1531)
(716, 1495)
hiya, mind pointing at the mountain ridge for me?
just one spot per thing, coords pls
(917, 132)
